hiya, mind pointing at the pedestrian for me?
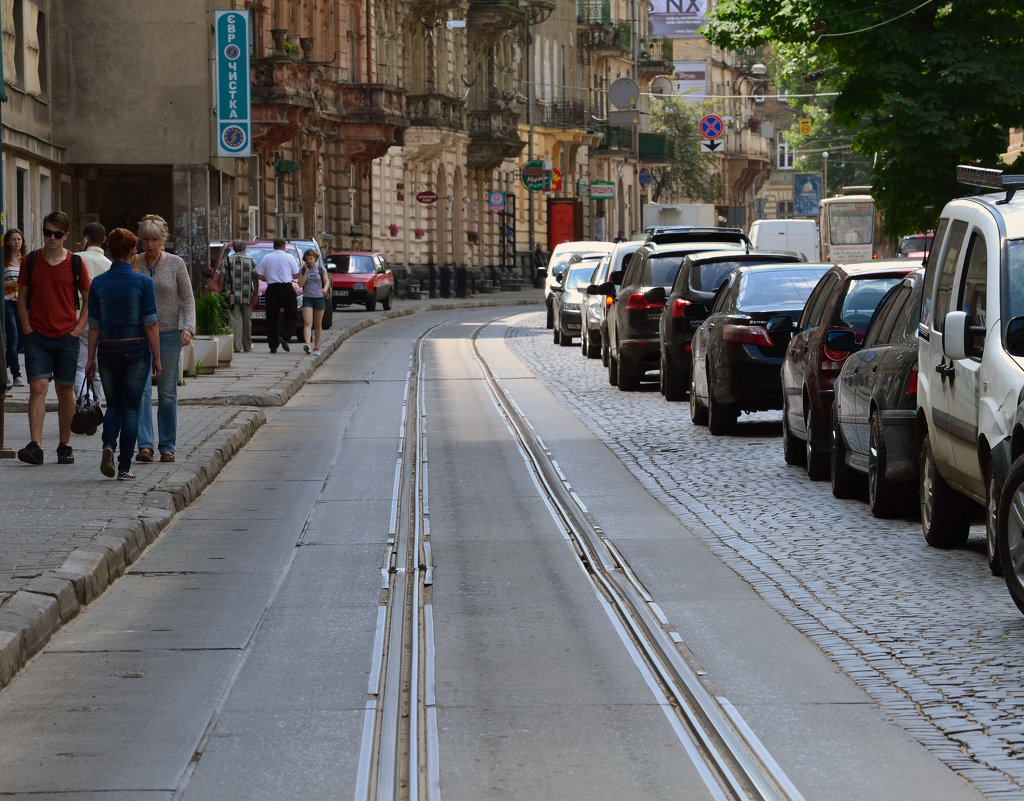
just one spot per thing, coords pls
(538, 265)
(241, 285)
(313, 280)
(49, 284)
(124, 348)
(620, 237)
(278, 269)
(176, 306)
(15, 251)
(96, 263)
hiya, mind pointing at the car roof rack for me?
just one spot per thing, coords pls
(989, 179)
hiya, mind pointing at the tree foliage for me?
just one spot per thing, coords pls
(923, 86)
(690, 175)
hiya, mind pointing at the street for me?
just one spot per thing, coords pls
(375, 599)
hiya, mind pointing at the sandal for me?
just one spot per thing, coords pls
(166, 456)
(144, 455)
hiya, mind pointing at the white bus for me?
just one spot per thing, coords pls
(848, 226)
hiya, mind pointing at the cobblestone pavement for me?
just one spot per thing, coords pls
(931, 635)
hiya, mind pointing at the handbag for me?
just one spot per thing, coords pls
(214, 281)
(88, 412)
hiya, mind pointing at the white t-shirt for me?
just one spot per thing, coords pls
(278, 267)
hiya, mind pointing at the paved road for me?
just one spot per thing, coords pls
(930, 634)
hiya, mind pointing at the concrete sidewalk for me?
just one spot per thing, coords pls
(66, 531)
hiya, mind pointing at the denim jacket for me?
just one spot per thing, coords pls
(122, 302)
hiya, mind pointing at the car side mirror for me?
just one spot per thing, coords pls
(841, 341)
(557, 288)
(779, 324)
(954, 335)
(616, 277)
(656, 294)
(1015, 336)
(607, 288)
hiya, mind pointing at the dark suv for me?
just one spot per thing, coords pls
(842, 304)
(689, 304)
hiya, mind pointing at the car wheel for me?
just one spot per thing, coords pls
(386, 303)
(844, 480)
(613, 371)
(721, 416)
(604, 350)
(1010, 532)
(945, 514)
(628, 382)
(674, 383)
(991, 520)
(817, 462)
(551, 318)
(792, 448)
(557, 337)
(698, 412)
(566, 340)
(593, 350)
(884, 497)
(583, 342)
(371, 303)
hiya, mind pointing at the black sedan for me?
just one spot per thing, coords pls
(875, 405)
(738, 350)
(689, 304)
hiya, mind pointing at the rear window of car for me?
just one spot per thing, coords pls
(661, 270)
(861, 298)
(1015, 271)
(579, 275)
(777, 290)
(350, 263)
(707, 277)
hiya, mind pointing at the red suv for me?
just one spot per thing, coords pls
(841, 304)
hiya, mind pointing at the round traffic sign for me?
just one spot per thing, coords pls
(711, 126)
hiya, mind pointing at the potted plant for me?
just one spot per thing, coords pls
(213, 334)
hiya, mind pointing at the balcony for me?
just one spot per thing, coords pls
(489, 18)
(567, 114)
(615, 139)
(493, 137)
(283, 98)
(612, 38)
(656, 57)
(372, 119)
(594, 12)
(435, 111)
(654, 148)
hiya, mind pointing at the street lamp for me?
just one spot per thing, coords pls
(824, 173)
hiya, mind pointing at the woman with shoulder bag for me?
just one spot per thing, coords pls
(313, 280)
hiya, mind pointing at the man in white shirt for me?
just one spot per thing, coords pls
(96, 263)
(279, 268)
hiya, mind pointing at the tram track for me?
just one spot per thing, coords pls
(399, 754)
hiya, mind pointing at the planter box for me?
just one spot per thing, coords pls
(225, 350)
(187, 362)
(206, 351)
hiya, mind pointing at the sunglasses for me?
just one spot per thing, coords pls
(47, 234)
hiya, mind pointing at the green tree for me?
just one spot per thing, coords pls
(691, 175)
(922, 86)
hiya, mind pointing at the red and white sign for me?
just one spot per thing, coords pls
(427, 196)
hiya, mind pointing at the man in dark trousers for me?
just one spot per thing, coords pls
(278, 268)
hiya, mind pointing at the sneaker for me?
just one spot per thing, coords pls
(65, 454)
(31, 453)
(306, 348)
(19, 381)
(286, 348)
(107, 463)
(316, 351)
(124, 475)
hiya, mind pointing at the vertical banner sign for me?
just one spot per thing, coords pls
(234, 122)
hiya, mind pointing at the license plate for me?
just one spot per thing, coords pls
(341, 292)
(258, 315)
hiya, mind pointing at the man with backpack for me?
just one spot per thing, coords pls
(49, 285)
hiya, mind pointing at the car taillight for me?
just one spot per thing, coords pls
(835, 356)
(679, 307)
(912, 382)
(747, 335)
(608, 301)
(637, 302)
(368, 285)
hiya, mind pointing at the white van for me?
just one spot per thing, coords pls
(798, 236)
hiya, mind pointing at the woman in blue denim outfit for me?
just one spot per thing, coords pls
(15, 251)
(176, 306)
(122, 337)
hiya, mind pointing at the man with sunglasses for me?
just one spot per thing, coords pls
(52, 321)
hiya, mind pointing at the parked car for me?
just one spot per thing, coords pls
(688, 305)
(875, 405)
(633, 317)
(797, 236)
(259, 248)
(594, 327)
(559, 260)
(685, 234)
(971, 360)
(842, 303)
(915, 246)
(738, 349)
(361, 277)
(568, 297)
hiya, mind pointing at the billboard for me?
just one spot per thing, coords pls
(231, 55)
(806, 194)
(689, 80)
(677, 19)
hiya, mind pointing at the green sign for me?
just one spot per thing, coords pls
(234, 108)
(535, 178)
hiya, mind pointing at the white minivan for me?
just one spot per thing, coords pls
(798, 236)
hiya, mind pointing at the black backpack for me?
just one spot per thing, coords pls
(76, 277)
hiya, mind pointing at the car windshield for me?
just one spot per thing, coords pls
(862, 298)
(258, 252)
(579, 275)
(661, 270)
(777, 290)
(350, 263)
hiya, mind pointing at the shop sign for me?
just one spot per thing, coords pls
(602, 190)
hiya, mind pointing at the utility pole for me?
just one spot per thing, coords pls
(5, 452)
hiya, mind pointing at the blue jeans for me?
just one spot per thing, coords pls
(125, 370)
(11, 338)
(167, 396)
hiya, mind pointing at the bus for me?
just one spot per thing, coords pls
(850, 227)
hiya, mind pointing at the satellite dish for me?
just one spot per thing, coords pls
(661, 86)
(624, 93)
